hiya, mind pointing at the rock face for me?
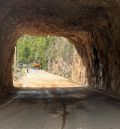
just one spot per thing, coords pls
(65, 61)
(93, 26)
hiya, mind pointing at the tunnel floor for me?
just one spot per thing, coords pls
(75, 108)
(60, 108)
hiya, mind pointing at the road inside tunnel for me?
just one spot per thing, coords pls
(60, 106)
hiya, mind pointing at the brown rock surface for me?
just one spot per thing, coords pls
(65, 61)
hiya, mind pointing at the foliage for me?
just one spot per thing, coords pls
(34, 49)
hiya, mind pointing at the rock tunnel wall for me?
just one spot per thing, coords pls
(93, 26)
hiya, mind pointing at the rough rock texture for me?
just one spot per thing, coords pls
(65, 61)
(93, 26)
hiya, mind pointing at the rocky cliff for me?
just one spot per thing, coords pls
(65, 61)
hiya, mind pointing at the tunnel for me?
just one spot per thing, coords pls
(92, 26)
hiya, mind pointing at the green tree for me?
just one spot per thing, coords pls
(34, 49)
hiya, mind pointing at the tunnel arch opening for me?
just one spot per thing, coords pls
(53, 54)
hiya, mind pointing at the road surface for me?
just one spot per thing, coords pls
(43, 79)
(59, 108)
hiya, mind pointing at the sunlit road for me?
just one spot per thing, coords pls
(43, 79)
(63, 107)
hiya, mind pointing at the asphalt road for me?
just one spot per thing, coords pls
(60, 108)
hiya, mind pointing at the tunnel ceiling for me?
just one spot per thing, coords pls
(52, 16)
(93, 26)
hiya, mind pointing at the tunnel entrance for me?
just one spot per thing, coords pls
(47, 62)
(93, 27)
